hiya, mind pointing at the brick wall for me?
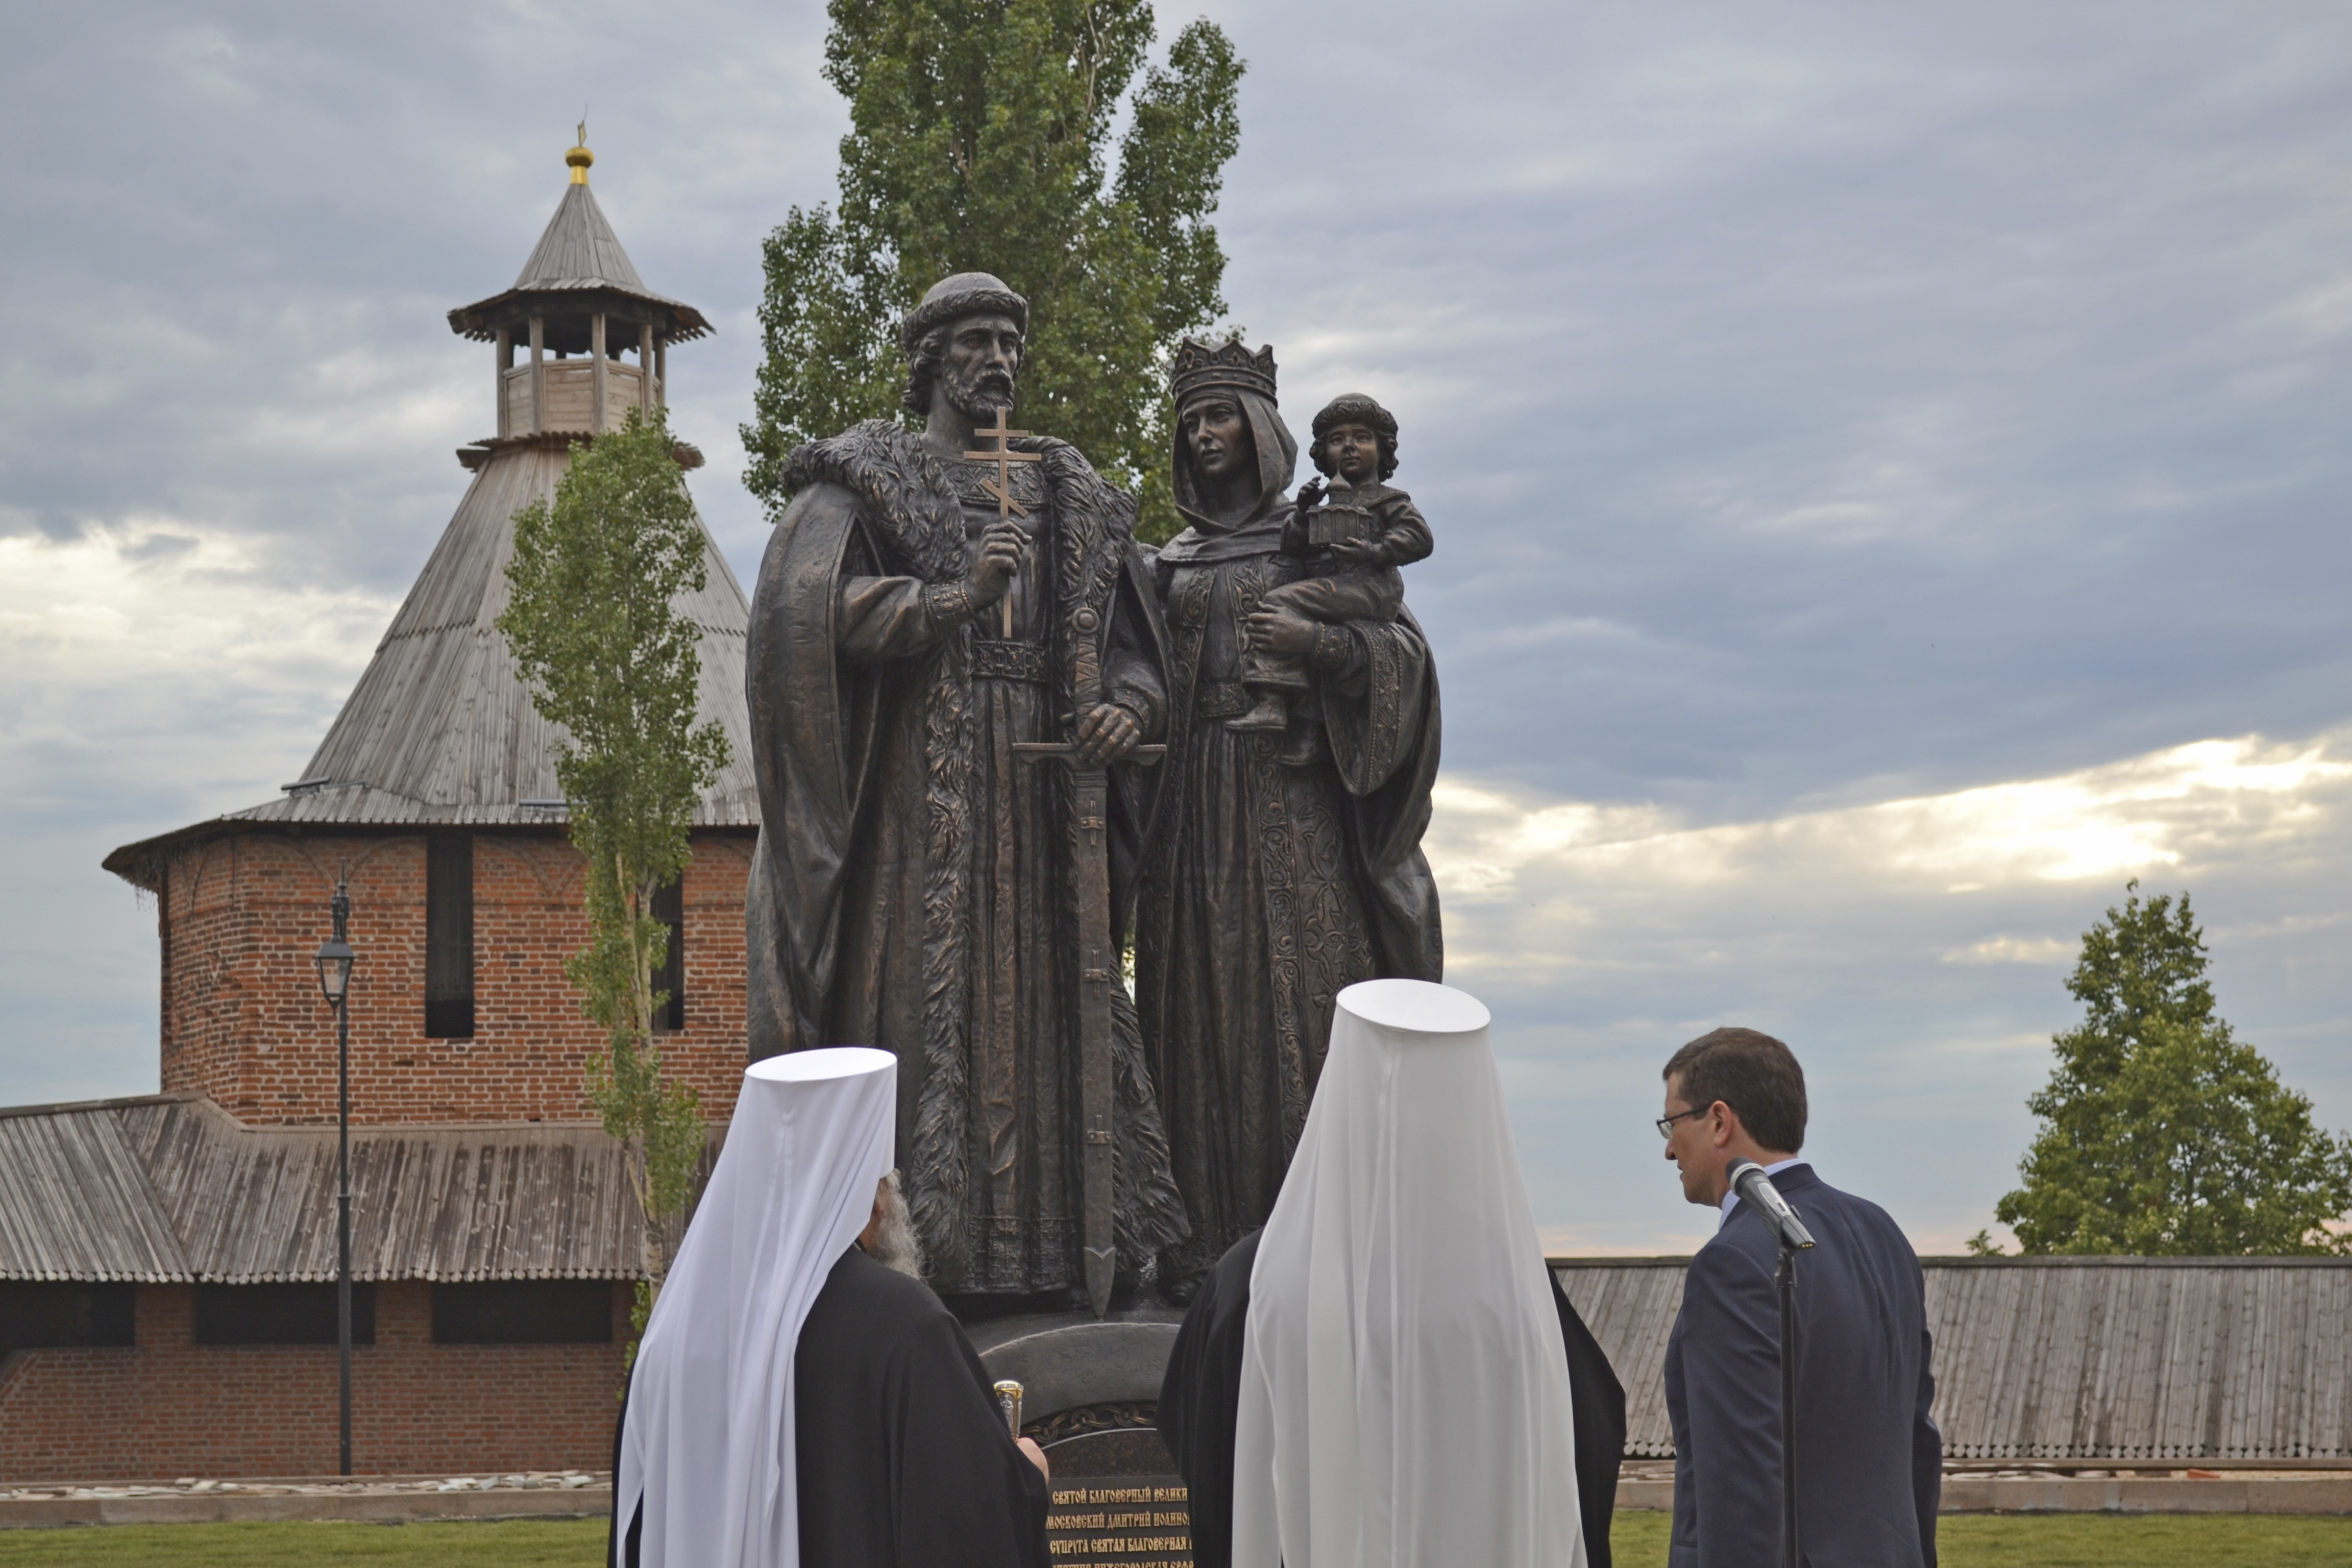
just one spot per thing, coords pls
(242, 1020)
(170, 1407)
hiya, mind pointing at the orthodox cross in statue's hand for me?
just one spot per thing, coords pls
(1001, 485)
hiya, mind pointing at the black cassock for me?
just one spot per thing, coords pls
(904, 1459)
(1201, 1395)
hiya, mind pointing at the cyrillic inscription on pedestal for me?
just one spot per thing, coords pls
(1120, 1521)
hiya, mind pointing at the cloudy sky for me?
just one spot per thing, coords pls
(1888, 469)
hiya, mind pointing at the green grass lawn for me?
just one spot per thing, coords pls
(2085, 1541)
(484, 1544)
(1966, 1540)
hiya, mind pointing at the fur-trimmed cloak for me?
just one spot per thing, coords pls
(912, 888)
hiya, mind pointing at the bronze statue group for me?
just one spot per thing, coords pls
(998, 741)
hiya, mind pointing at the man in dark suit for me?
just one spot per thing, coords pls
(1869, 1461)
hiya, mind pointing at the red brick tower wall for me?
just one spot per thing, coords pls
(242, 1020)
(171, 1407)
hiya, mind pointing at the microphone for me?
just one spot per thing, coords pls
(1748, 1180)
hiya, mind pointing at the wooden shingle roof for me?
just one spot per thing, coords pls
(577, 254)
(580, 250)
(170, 1188)
(440, 730)
(2068, 1358)
(77, 1202)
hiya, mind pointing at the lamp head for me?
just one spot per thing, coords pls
(335, 959)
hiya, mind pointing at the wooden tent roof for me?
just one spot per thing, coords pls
(2068, 1358)
(170, 1188)
(578, 254)
(440, 730)
(580, 250)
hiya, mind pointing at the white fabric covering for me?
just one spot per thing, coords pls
(1405, 1397)
(707, 1443)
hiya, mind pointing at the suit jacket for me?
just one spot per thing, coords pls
(1869, 1460)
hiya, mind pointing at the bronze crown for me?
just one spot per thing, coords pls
(1199, 366)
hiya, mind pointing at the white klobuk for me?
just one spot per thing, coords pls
(1404, 1399)
(708, 1444)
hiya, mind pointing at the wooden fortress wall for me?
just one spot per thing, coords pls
(2067, 1358)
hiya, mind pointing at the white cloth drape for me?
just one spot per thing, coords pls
(1404, 1399)
(707, 1443)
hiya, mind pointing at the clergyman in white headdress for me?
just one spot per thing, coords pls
(1378, 1377)
(801, 1399)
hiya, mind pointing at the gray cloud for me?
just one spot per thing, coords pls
(1911, 951)
(1938, 399)
(1816, 406)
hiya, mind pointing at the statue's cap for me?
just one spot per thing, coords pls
(1199, 367)
(962, 294)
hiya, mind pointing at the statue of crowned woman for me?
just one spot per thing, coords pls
(1275, 874)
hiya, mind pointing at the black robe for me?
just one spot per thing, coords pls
(904, 1459)
(1201, 1395)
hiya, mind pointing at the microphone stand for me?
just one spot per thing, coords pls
(1748, 1180)
(1784, 1275)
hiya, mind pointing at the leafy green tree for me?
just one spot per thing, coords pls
(594, 629)
(2163, 1134)
(979, 142)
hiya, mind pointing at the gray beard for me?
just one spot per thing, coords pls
(895, 1243)
(974, 402)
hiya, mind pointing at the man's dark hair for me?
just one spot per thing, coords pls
(1751, 1072)
(923, 365)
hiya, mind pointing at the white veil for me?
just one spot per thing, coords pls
(1404, 1399)
(708, 1445)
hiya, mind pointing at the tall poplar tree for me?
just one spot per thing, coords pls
(979, 140)
(594, 628)
(2162, 1133)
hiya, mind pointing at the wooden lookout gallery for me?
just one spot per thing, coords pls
(167, 1262)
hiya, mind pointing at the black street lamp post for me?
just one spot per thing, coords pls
(334, 961)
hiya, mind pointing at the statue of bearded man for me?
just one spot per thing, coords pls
(913, 887)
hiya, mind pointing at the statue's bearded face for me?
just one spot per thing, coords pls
(1218, 434)
(983, 356)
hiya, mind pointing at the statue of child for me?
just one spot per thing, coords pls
(1345, 552)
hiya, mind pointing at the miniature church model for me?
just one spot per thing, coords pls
(173, 1250)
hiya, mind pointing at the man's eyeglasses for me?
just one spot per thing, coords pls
(1666, 1123)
